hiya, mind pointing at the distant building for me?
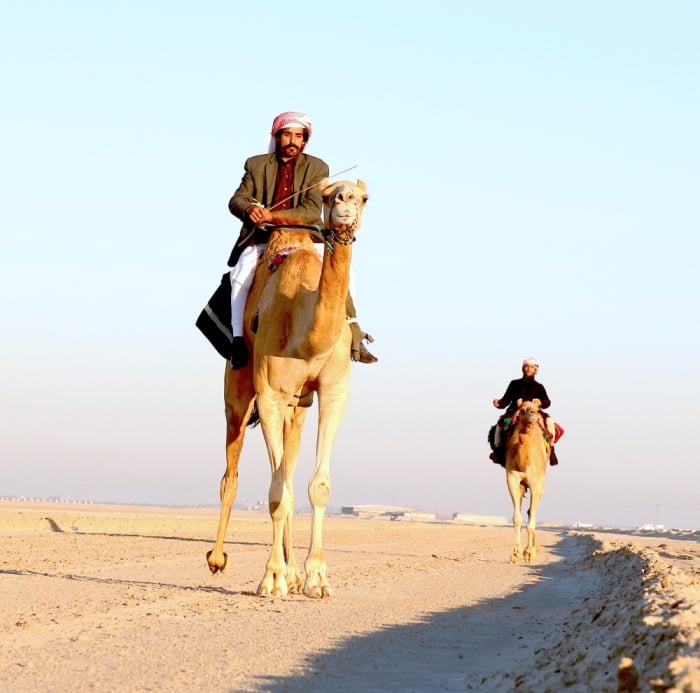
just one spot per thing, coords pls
(651, 528)
(390, 512)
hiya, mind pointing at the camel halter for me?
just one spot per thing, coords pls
(332, 236)
(540, 424)
(344, 235)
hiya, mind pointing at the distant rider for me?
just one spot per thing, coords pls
(526, 389)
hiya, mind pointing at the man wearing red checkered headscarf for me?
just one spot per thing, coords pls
(282, 186)
(289, 119)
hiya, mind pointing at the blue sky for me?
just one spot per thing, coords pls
(533, 173)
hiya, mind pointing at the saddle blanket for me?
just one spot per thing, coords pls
(214, 322)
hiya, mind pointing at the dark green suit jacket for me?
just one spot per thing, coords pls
(258, 185)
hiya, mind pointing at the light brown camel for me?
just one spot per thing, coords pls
(301, 345)
(527, 453)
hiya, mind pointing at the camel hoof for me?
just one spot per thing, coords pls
(317, 591)
(214, 567)
(272, 586)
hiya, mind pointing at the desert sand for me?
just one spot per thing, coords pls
(97, 598)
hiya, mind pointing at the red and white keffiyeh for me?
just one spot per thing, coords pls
(289, 119)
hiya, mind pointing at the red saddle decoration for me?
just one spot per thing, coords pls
(558, 431)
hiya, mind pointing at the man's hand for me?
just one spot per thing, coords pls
(496, 403)
(258, 214)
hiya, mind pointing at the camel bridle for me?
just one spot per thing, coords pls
(534, 418)
(342, 236)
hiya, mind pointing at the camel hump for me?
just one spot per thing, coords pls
(283, 240)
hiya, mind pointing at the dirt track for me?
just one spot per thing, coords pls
(100, 597)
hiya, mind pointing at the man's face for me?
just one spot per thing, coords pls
(290, 142)
(529, 369)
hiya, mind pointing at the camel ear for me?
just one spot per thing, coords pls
(324, 184)
(519, 403)
(537, 402)
(361, 185)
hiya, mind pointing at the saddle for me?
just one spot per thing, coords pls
(507, 423)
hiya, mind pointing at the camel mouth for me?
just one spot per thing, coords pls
(344, 222)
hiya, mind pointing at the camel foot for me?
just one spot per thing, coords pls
(294, 583)
(317, 591)
(529, 556)
(273, 585)
(218, 564)
(516, 556)
(317, 587)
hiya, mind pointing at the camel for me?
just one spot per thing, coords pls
(301, 345)
(527, 453)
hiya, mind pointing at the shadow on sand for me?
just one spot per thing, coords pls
(456, 650)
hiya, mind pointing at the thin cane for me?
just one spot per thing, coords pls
(289, 197)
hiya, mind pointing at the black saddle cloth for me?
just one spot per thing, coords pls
(214, 322)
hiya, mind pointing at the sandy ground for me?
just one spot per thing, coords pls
(115, 598)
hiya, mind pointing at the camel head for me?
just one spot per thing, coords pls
(343, 203)
(528, 413)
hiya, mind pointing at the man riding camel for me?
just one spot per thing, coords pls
(282, 186)
(525, 389)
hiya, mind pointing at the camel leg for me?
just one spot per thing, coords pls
(331, 408)
(517, 491)
(238, 400)
(280, 498)
(294, 424)
(536, 494)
